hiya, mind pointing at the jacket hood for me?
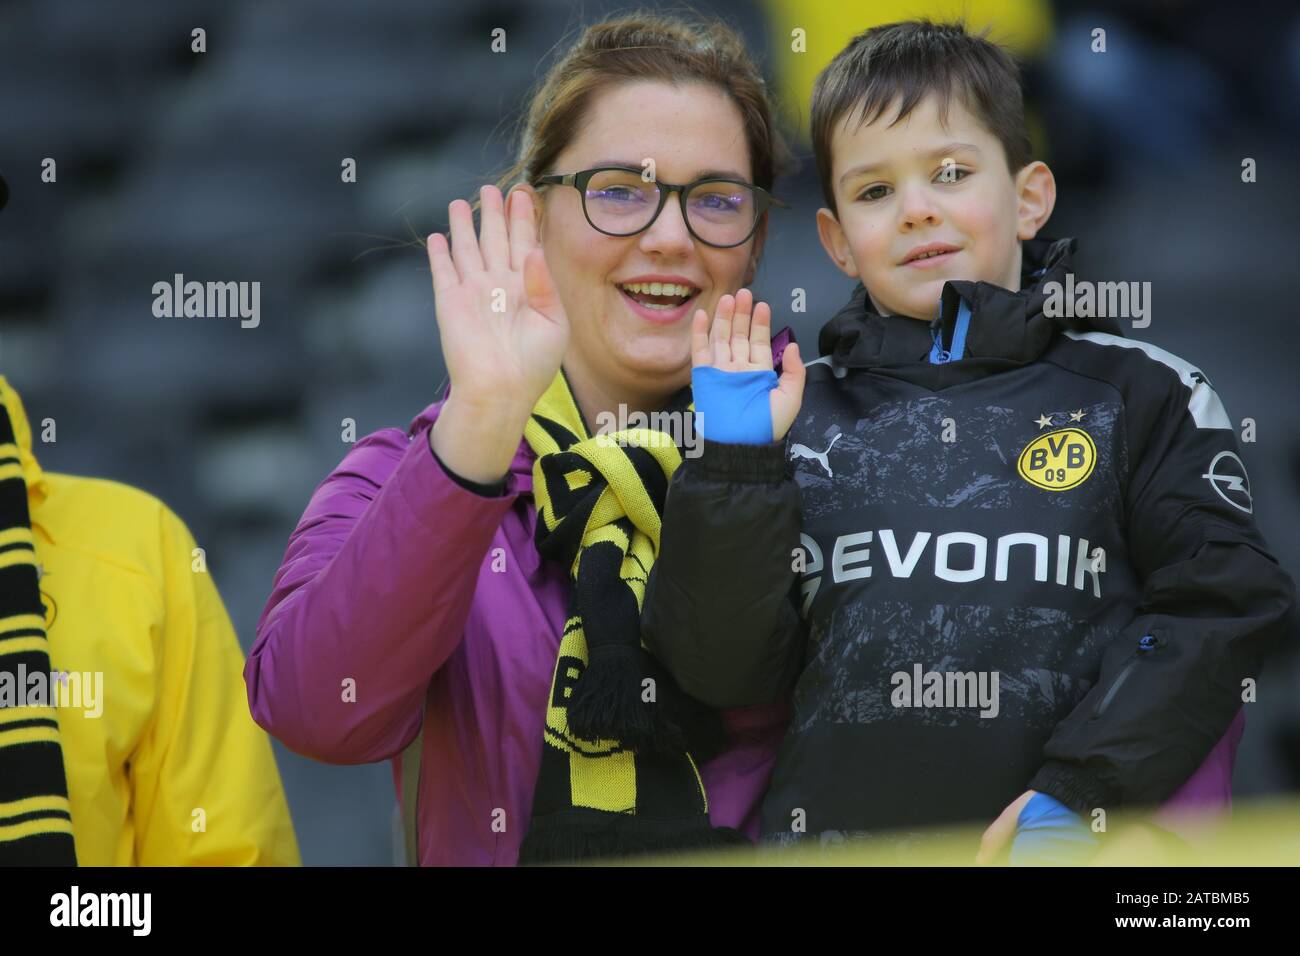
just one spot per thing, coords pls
(1004, 325)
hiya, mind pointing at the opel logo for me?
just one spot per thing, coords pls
(1227, 476)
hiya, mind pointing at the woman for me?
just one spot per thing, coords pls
(470, 589)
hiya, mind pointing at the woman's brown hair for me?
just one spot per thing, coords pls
(644, 46)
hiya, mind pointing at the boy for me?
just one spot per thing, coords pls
(1027, 568)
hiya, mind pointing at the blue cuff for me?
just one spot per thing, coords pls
(733, 407)
(1050, 833)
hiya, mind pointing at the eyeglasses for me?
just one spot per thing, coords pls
(618, 202)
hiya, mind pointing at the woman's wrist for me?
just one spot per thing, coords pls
(477, 441)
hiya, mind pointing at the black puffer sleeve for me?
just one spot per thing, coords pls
(718, 610)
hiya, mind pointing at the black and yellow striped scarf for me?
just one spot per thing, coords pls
(619, 774)
(35, 817)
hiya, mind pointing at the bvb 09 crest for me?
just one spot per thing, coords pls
(1059, 460)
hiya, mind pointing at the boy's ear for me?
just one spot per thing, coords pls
(1036, 197)
(835, 242)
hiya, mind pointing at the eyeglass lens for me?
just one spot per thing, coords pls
(622, 203)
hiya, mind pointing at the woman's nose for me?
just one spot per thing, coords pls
(668, 233)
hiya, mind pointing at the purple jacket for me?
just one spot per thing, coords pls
(433, 599)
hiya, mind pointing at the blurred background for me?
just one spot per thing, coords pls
(225, 166)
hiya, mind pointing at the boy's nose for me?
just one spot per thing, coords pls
(918, 208)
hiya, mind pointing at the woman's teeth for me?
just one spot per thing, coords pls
(658, 295)
(659, 288)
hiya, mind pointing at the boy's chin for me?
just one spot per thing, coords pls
(657, 358)
(910, 307)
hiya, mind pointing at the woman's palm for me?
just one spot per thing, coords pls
(503, 327)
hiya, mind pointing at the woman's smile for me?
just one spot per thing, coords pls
(663, 300)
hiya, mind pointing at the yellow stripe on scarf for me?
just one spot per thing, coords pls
(608, 783)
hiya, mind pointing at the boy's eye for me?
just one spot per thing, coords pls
(872, 193)
(950, 173)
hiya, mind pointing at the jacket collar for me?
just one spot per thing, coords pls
(1006, 326)
(32, 473)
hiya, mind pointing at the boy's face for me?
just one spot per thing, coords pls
(901, 189)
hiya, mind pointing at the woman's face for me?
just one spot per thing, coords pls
(689, 130)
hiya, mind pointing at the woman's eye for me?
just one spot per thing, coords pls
(872, 193)
(616, 193)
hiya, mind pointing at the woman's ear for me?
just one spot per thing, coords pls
(835, 242)
(1036, 196)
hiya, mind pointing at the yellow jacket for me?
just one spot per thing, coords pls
(172, 771)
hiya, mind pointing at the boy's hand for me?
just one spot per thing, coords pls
(1041, 831)
(1001, 831)
(740, 340)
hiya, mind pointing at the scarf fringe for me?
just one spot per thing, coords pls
(607, 703)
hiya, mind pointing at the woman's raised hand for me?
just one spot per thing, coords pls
(503, 327)
(503, 331)
(739, 339)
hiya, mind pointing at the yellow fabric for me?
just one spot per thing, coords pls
(175, 735)
(1024, 26)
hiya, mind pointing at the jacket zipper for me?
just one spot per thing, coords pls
(1147, 645)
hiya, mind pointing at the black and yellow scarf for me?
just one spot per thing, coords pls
(619, 774)
(35, 817)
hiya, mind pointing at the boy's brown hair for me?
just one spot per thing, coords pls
(905, 62)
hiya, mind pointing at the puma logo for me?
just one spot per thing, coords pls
(803, 451)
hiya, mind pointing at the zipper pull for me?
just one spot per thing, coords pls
(938, 356)
(1146, 644)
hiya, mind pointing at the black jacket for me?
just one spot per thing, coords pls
(1062, 506)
